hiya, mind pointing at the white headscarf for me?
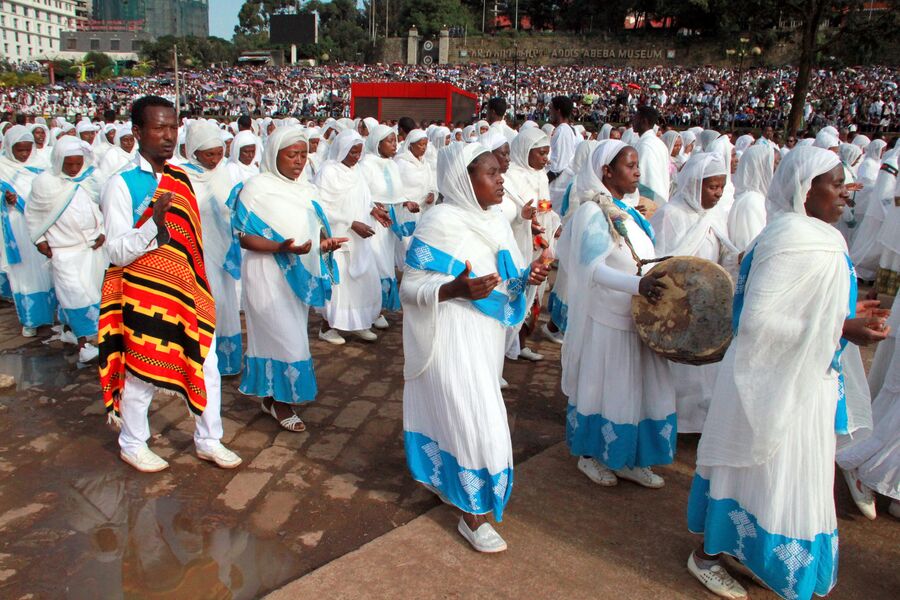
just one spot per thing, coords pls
(755, 170)
(747, 216)
(826, 140)
(849, 155)
(522, 182)
(604, 132)
(792, 182)
(493, 139)
(343, 143)
(243, 138)
(53, 190)
(742, 143)
(862, 141)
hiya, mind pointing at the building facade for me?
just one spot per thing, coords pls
(30, 29)
(161, 17)
(118, 45)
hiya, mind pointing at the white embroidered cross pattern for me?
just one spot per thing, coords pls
(423, 255)
(433, 452)
(471, 484)
(609, 436)
(744, 528)
(795, 557)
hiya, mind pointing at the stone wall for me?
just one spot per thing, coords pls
(560, 49)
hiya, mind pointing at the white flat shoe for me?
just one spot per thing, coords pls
(528, 354)
(29, 331)
(381, 323)
(596, 472)
(144, 460)
(894, 509)
(553, 336)
(642, 476)
(332, 337)
(220, 455)
(484, 539)
(503, 384)
(67, 337)
(88, 353)
(366, 335)
(862, 496)
(717, 580)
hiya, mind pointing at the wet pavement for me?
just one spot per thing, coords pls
(76, 522)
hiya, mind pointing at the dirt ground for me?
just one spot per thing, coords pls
(76, 522)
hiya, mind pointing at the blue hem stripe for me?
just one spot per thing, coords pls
(559, 312)
(390, 294)
(82, 321)
(793, 568)
(229, 353)
(36, 309)
(291, 383)
(475, 491)
(616, 445)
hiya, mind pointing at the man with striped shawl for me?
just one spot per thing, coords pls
(157, 315)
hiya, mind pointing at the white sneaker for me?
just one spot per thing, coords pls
(529, 354)
(67, 337)
(503, 384)
(144, 460)
(332, 337)
(596, 472)
(220, 455)
(483, 539)
(642, 476)
(553, 336)
(88, 353)
(380, 323)
(716, 579)
(29, 331)
(894, 509)
(366, 334)
(862, 496)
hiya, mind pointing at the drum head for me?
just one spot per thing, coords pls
(691, 323)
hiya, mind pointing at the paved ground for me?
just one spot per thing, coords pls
(75, 522)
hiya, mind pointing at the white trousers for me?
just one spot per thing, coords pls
(135, 402)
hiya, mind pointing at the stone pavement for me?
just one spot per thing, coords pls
(76, 522)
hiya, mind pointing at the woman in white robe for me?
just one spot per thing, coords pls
(868, 169)
(763, 491)
(688, 226)
(244, 162)
(850, 156)
(42, 145)
(464, 284)
(66, 225)
(724, 148)
(288, 268)
(747, 216)
(120, 156)
(527, 187)
(28, 271)
(344, 196)
(382, 175)
(621, 410)
(419, 181)
(865, 249)
(221, 248)
(887, 277)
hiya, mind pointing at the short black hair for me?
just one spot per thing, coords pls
(109, 115)
(245, 122)
(649, 114)
(406, 124)
(140, 106)
(564, 105)
(497, 105)
(20, 119)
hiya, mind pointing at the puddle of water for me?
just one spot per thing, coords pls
(138, 547)
(48, 371)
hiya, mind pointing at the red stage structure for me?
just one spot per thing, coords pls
(420, 101)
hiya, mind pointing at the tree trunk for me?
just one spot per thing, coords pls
(811, 19)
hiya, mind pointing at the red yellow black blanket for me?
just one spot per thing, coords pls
(157, 315)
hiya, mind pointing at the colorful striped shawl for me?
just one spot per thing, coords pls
(157, 315)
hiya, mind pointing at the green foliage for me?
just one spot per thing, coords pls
(193, 52)
(427, 15)
(97, 62)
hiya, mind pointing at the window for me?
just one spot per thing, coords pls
(95, 44)
(114, 45)
(71, 43)
(136, 45)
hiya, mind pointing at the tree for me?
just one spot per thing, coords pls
(192, 51)
(429, 16)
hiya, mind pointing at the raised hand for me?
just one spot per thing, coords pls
(540, 268)
(161, 207)
(44, 248)
(331, 244)
(412, 207)
(288, 247)
(528, 211)
(430, 199)
(651, 287)
(470, 288)
(11, 197)
(871, 308)
(361, 229)
(381, 215)
(863, 331)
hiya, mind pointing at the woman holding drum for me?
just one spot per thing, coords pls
(621, 413)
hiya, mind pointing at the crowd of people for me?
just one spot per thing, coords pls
(709, 97)
(142, 242)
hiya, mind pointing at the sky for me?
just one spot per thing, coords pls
(223, 17)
